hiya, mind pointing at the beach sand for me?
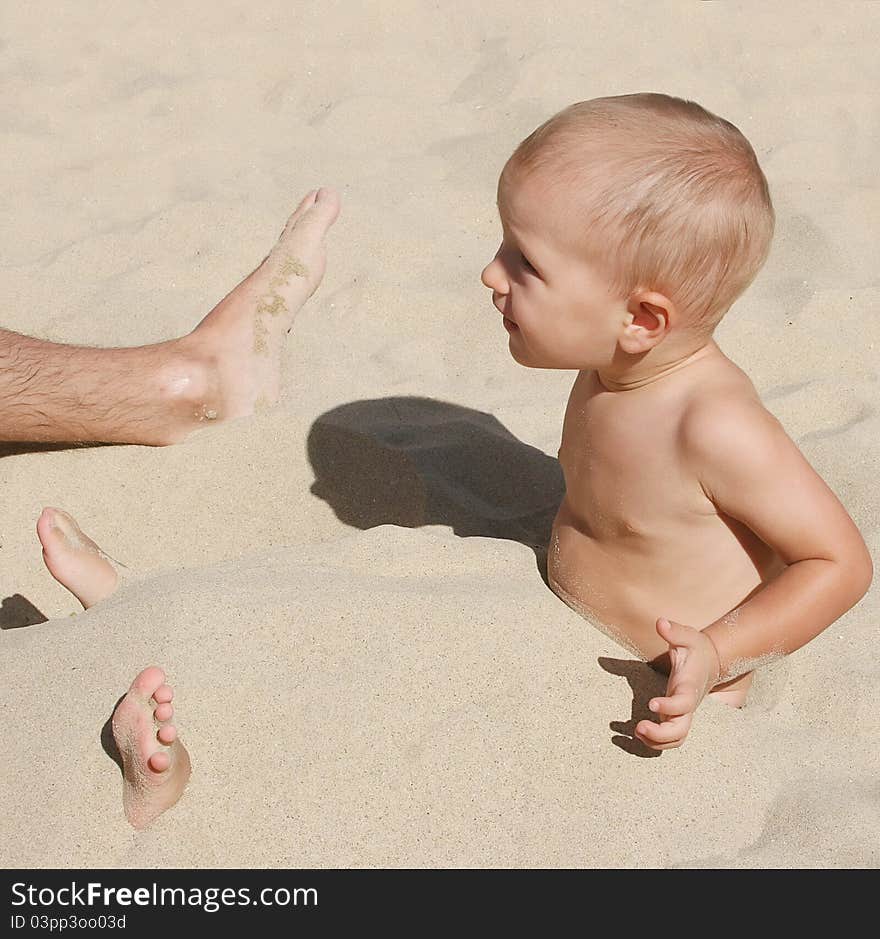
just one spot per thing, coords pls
(369, 668)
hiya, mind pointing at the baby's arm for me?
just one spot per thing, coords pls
(752, 470)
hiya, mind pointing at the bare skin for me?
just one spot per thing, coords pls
(156, 766)
(73, 559)
(688, 561)
(158, 394)
(693, 530)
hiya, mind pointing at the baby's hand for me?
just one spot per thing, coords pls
(695, 669)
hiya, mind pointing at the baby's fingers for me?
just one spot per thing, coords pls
(664, 736)
(675, 705)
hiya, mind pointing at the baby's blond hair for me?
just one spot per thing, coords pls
(666, 196)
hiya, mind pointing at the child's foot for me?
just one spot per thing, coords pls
(155, 764)
(244, 333)
(73, 559)
(733, 693)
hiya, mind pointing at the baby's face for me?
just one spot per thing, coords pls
(558, 310)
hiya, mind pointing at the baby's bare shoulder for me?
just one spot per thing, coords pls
(725, 420)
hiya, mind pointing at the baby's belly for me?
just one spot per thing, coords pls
(693, 575)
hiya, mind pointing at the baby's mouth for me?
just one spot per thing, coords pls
(509, 324)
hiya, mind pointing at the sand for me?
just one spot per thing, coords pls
(369, 668)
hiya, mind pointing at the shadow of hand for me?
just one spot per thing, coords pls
(645, 684)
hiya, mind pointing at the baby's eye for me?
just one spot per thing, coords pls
(527, 263)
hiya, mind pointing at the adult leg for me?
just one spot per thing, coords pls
(157, 394)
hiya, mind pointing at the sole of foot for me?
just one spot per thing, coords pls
(73, 559)
(155, 764)
(244, 334)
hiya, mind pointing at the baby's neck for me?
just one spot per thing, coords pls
(631, 372)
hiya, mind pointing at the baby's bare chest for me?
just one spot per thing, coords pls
(623, 465)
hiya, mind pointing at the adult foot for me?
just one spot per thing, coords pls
(73, 559)
(155, 764)
(243, 335)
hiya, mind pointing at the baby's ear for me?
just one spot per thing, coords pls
(651, 314)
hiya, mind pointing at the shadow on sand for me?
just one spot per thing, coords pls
(415, 461)
(645, 683)
(411, 461)
(20, 447)
(17, 611)
(108, 742)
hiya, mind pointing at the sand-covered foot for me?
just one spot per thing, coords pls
(73, 559)
(244, 334)
(155, 764)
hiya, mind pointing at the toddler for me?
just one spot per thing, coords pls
(693, 530)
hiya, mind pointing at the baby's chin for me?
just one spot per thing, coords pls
(529, 358)
(520, 352)
(523, 358)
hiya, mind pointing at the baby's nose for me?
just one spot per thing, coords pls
(493, 276)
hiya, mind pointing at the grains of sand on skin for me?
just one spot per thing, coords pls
(272, 303)
(261, 336)
(612, 632)
(290, 265)
(740, 667)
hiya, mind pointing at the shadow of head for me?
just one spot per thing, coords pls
(416, 461)
(645, 683)
(17, 611)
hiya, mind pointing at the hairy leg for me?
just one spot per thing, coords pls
(52, 392)
(158, 394)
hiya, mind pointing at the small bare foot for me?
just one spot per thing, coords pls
(733, 693)
(73, 559)
(155, 764)
(243, 335)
